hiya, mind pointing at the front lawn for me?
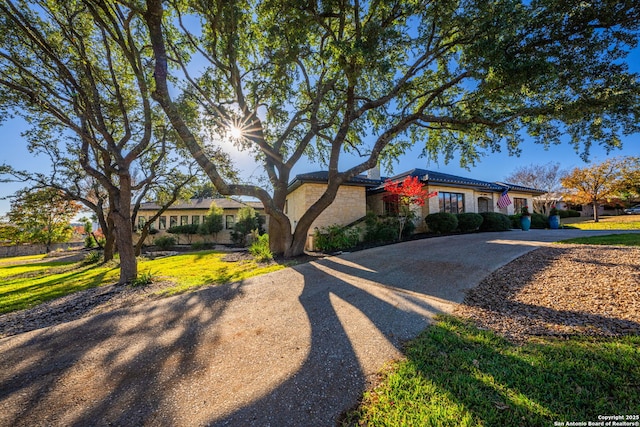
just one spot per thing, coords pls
(458, 375)
(26, 285)
(632, 239)
(620, 222)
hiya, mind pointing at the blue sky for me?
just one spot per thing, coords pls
(492, 167)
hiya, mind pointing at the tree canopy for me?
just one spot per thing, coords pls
(542, 177)
(42, 216)
(288, 79)
(597, 183)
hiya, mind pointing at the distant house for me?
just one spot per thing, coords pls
(193, 212)
(366, 193)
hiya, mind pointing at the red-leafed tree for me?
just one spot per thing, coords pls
(405, 194)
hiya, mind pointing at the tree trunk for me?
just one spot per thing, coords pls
(121, 215)
(304, 225)
(279, 236)
(109, 239)
(596, 216)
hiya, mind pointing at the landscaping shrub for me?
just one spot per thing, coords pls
(188, 230)
(92, 257)
(336, 237)
(469, 221)
(143, 279)
(89, 242)
(198, 246)
(260, 249)
(382, 229)
(165, 242)
(442, 222)
(248, 220)
(568, 213)
(495, 221)
(539, 221)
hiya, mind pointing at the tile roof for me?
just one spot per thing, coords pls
(444, 178)
(204, 204)
(323, 176)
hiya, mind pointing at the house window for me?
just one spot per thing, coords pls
(230, 220)
(519, 203)
(162, 223)
(141, 222)
(195, 219)
(184, 219)
(451, 202)
(173, 221)
(390, 204)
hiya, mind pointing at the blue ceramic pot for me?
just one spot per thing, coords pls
(554, 222)
(525, 223)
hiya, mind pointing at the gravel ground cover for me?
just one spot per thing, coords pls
(560, 291)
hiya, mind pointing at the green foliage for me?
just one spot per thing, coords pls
(247, 221)
(187, 229)
(495, 221)
(538, 221)
(260, 249)
(165, 242)
(143, 279)
(469, 221)
(198, 246)
(42, 215)
(212, 223)
(568, 213)
(89, 241)
(441, 222)
(336, 238)
(384, 229)
(92, 257)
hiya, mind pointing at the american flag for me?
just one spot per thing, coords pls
(504, 200)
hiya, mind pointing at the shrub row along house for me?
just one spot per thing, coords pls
(362, 194)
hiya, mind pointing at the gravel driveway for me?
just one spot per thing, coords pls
(295, 347)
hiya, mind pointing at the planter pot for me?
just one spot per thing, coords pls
(554, 222)
(525, 223)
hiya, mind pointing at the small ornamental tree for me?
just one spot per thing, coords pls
(405, 195)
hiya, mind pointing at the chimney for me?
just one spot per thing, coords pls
(374, 173)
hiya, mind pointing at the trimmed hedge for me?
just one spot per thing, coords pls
(538, 221)
(495, 221)
(568, 213)
(469, 221)
(441, 222)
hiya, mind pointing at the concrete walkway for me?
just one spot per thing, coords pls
(293, 348)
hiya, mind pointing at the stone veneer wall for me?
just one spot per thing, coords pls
(348, 206)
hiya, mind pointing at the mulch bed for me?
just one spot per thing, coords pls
(561, 291)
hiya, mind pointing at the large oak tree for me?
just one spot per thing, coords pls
(76, 72)
(287, 79)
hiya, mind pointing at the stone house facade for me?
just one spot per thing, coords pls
(193, 212)
(366, 193)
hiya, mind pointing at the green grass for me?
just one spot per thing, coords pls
(610, 239)
(458, 375)
(621, 222)
(27, 285)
